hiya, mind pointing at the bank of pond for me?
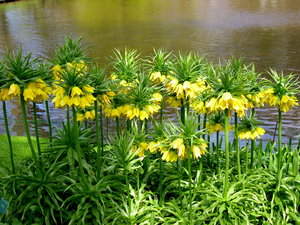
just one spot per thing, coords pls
(150, 170)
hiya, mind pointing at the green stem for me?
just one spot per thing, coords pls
(226, 153)
(204, 125)
(78, 149)
(36, 130)
(236, 146)
(118, 126)
(12, 162)
(187, 106)
(279, 163)
(145, 125)
(128, 196)
(102, 132)
(161, 112)
(209, 161)
(199, 121)
(98, 141)
(252, 153)
(128, 122)
(23, 108)
(49, 121)
(160, 182)
(190, 184)
(179, 185)
(68, 120)
(247, 157)
(218, 151)
(182, 112)
(252, 143)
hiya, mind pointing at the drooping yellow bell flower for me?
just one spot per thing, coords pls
(251, 134)
(172, 101)
(169, 156)
(4, 96)
(14, 90)
(76, 91)
(199, 150)
(157, 97)
(287, 102)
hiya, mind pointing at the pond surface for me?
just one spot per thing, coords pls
(265, 32)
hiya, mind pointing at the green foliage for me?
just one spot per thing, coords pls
(18, 69)
(160, 62)
(70, 51)
(132, 188)
(36, 195)
(126, 65)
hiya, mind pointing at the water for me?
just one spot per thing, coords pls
(265, 32)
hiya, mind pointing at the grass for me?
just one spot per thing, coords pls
(20, 148)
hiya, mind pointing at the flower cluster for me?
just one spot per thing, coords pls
(37, 91)
(284, 102)
(9, 93)
(131, 111)
(251, 134)
(178, 149)
(177, 90)
(86, 115)
(76, 96)
(172, 151)
(248, 128)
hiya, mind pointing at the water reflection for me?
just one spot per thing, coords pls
(265, 32)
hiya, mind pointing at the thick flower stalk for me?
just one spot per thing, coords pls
(5, 97)
(20, 73)
(281, 94)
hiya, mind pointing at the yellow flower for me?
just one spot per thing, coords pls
(287, 102)
(113, 76)
(178, 144)
(90, 115)
(14, 90)
(104, 99)
(179, 91)
(169, 156)
(199, 107)
(76, 91)
(4, 94)
(231, 103)
(56, 70)
(172, 84)
(172, 101)
(153, 146)
(214, 127)
(80, 117)
(156, 77)
(59, 91)
(111, 93)
(211, 105)
(199, 150)
(251, 134)
(141, 149)
(157, 97)
(29, 94)
(88, 88)
(143, 115)
(152, 108)
(268, 96)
